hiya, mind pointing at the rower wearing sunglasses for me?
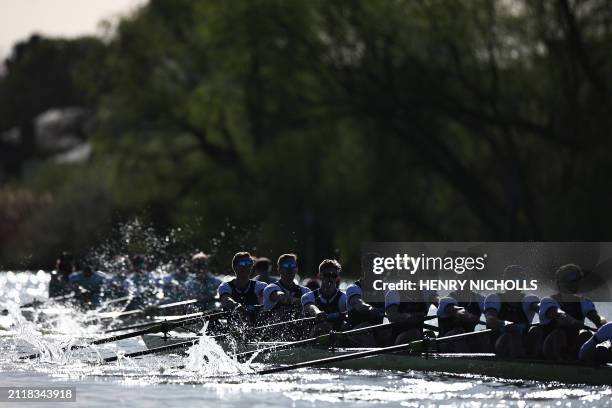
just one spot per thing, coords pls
(563, 315)
(328, 303)
(242, 294)
(282, 299)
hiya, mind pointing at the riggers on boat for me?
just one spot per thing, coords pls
(463, 364)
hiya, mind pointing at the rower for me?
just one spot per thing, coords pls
(593, 352)
(563, 314)
(173, 284)
(59, 285)
(261, 270)
(202, 286)
(459, 313)
(140, 283)
(89, 285)
(511, 313)
(242, 294)
(282, 299)
(409, 308)
(328, 303)
(362, 314)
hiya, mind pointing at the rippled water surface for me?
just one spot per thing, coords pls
(213, 379)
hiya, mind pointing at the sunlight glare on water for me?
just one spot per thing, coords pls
(205, 375)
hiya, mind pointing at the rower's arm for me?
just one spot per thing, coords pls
(228, 303)
(281, 297)
(493, 321)
(597, 320)
(562, 319)
(357, 304)
(311, 310)
(395, 316)
(310, 307)
(460, 314)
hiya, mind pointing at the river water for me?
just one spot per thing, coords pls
(221, 382)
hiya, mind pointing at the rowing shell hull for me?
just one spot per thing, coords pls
(471, 364)
(475, 364)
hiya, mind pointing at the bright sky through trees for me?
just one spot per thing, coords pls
(21, 18)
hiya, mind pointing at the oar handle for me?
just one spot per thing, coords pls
(51, 299)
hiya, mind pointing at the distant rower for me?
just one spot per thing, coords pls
(261, 270)
(202, 286)
(59, 285)
(328, 303)
(89, 285)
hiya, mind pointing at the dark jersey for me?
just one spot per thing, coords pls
(512, 311)
(332, 305)
(248, 297)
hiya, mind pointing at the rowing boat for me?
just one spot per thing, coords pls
(484, 364)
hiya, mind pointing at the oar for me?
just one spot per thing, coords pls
(114, 315)
(326, 339)
(189, 343)
(161, 349)
(35, 303)
(107, 303)
(288, 322)
(159, 327)
(412, 346)
(209, 316)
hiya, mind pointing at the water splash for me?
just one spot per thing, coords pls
(207, 358)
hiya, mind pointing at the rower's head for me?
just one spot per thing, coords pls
(138, 263)
(568, 278)
(242, 264)
(65, 263)
(514, 272)
(262, 266)
(367, 263)
(199, 264)
(329, 273)
(287, 266)
(87, 270)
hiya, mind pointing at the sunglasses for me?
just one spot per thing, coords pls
(288, 265)
(244, 263)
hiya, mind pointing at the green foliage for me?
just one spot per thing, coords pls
(313, 126)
